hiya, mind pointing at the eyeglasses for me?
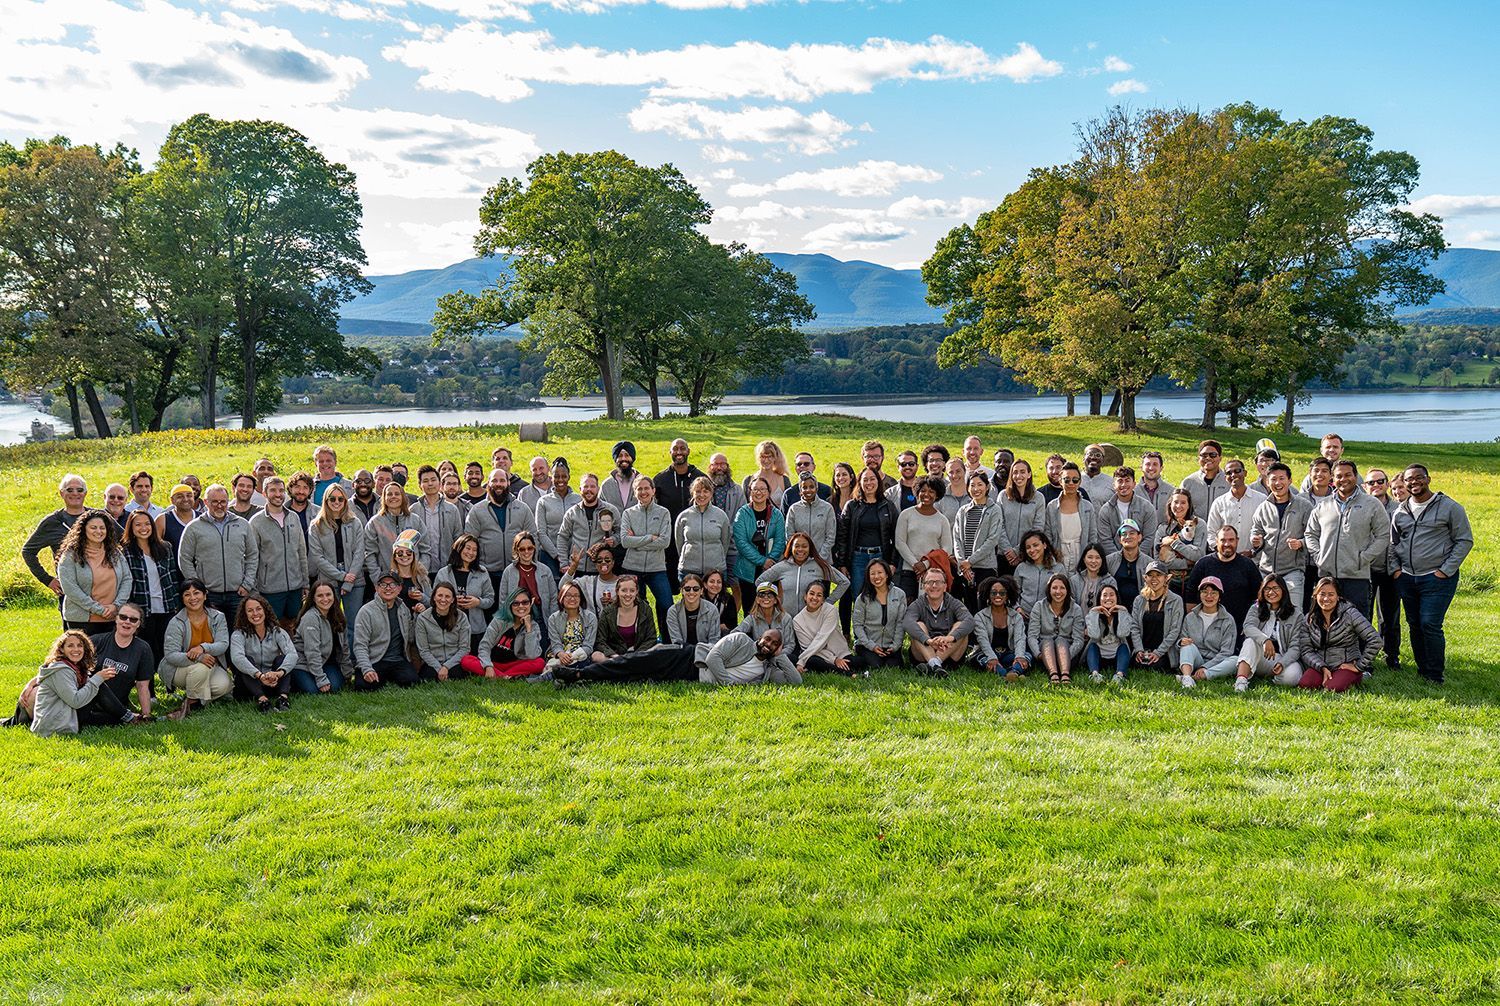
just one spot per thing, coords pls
(115, 499)
(74, 489)
(128, 619)
(1070, 482)
(907, 464)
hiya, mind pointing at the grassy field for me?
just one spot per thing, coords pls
(891, 840)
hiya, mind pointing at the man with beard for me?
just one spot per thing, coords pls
(1052, 488)
(245, 489)
(1156, 490)
(495, 523)
(729, 496)
(674, 490)
(476, 493)
(736, 659)
(299, 490)
(549, 513)
(453, 492)
(580, 530)
(873, 455)
(541, 482)
(1236, 571)
(1096, 484)
(363, 500)
(903, 494)
(618, 488)
(935, 459)
(1004, 458)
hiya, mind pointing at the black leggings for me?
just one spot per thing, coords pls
(258, 691)
(823, 666)
(665, 663)
(866, 658)
(105, 709)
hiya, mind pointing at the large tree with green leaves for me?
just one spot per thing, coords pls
(70, 316)
(287, 245)
(594, 241)
(743, 320)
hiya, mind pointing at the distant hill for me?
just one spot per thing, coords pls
(846, 294)
(853, 294)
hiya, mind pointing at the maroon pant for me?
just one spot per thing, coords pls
(1342, 679)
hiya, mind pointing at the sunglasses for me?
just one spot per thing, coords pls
(1070, 482)
(128, 619)
(1209, 454)
(1375, 482)
(74, 489)
(692, 590)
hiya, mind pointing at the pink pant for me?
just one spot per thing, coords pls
(509, 669)
(1342, 679)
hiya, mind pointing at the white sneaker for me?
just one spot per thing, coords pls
(1096, 677)
(1118, 679)
(1187, 681)
(1242, 684)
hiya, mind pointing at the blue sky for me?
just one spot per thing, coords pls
(862, 129)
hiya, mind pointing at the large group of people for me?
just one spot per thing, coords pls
(262, 585)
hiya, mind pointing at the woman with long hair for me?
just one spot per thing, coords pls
(472, 588)
(526, 573)
(821, 646)
(1341, 642)
(68, 682)
(716, 593)
(1179, 540)
(572, 628)
(408, 569)
(1022, 509)
(1107, 627)
(759, 533)
(92, 573)
(442, 633)
(1072, 523)
(1157, 613)
(773, 468)
(263, 653)
(843, 486)
(977, 529)
(800, 565)
(512, 645)
(1275, 636)
(693, 622)
(1090, 576)
(336, 552)
(324, 662)
(867, 530)
(876, 619)
(393, 519)
(1055, 630)
(154, 578)
(1039, 563)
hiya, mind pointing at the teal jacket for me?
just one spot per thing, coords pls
(749, 559)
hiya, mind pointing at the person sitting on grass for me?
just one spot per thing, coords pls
(195, 651)
(1108, 627)
(1157, 614)
(383, 638)
(1000, 630)
(876, 619)
(1341, 643)
(512, 645)
(573, 629)
(1275, 636)
(939, 626)
(821, 645)
(1207, 647)
(1055, 630)
(67, 684)
(693, 622)
(766, 614)
(442, 633)
(263, 653)
(323, 660)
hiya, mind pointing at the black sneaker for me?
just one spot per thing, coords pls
(263, 705)
(283, 703)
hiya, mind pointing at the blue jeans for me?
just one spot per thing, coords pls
(546, 560)
(1425, 600)
(305, 682)
(661, 595)
(1007, 663)
(859, 563)
(1094, 658)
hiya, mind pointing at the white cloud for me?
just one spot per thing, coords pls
(503, 65)
(762, 211)
(1127, 86)
(1447, 206)
(477, 10)
(413, 244)
(867, 178)
(1481, 237)
(716, 154)
(917, 208)
(1114, 64)
(854, 234)
(815, 133)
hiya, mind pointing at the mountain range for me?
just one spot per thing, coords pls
(856, 294)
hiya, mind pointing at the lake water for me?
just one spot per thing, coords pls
(1424, 416)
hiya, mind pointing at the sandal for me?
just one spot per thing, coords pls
(1054, 678)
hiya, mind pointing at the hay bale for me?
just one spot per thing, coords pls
(534, 433)
(1113, 457)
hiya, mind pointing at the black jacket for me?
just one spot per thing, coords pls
(843, 545)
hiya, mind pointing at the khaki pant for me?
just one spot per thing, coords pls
(201, 682)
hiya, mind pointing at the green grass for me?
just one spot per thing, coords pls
(895, 840)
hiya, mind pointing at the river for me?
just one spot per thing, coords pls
(1418, 416)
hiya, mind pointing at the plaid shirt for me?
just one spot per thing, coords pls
(166, 572)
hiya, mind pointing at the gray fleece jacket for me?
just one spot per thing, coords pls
(1276, 529)
(1439, 539)
(1216, 641)
(873, 628)
(225, 559)
(76, 577)
(704, 540)
(816, 520)
(494, 543)
(283, 553)
(372, 633)
(323, 552)
(986, 542)
(59, 696)
(318, 645)
(734, 661)
(250, 654)
(437, 646)
(646, 533)
(706, 622)
(174, 645)
(1346, 541)
(476, 584)
(1047, 628)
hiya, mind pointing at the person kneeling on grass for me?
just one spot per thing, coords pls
(512, 645)
(736, 659)
(939, 626)
(263, 653)
(1108, 627)
(820, 641)
(876, 618)
(442, 633)
(383, 638)
(1341, 643)
(1275, 636)
(195, 652)
(1000, 630)
(323, 661)
(1055, 630)
(1208, 637)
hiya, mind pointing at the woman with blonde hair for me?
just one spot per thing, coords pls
(773, 468)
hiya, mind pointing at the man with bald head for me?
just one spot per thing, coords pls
(736, 659)
(674, 490)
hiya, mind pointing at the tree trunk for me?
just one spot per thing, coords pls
(135, 415)
(1126, 400)
(1287, 418)
(695, 400)
(1210, 396)
(161, 395)
(210, 382)
(655, 395)
(247, 405)
(1114, 404)
(1234, 407)
(609, 376)
(1071, 410)
(96, 409)
(1096, 400)
(72, 391)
